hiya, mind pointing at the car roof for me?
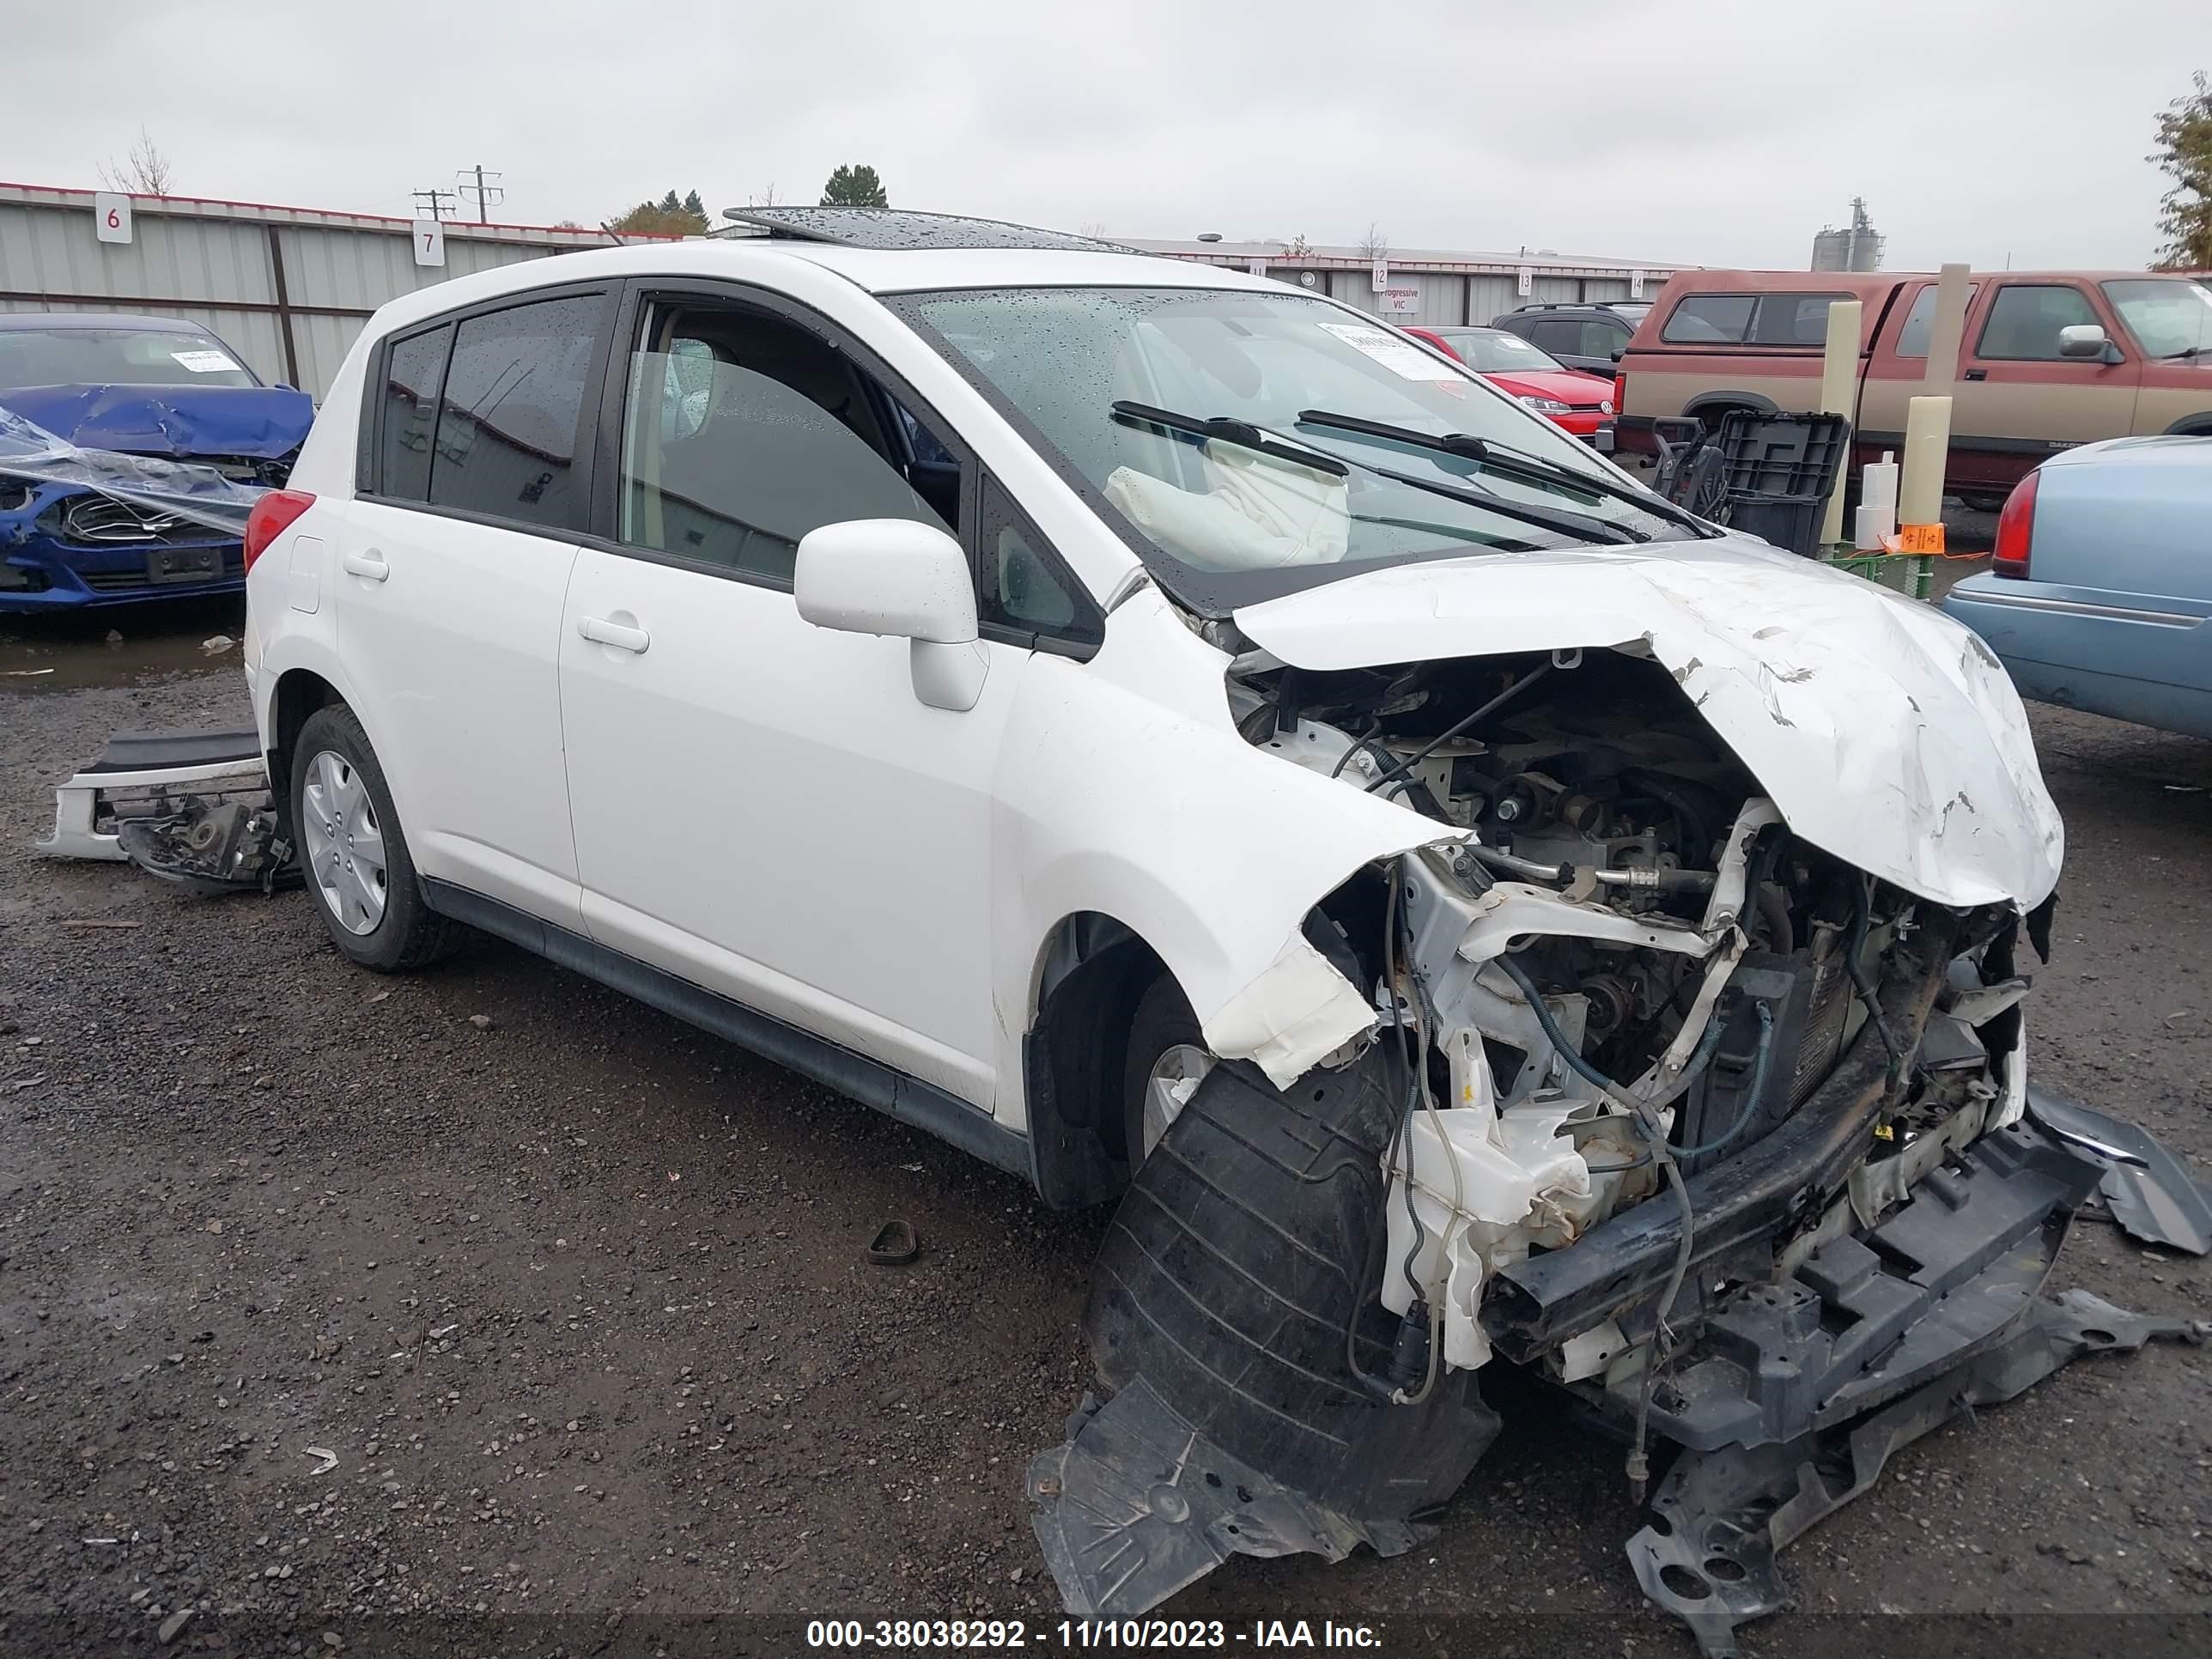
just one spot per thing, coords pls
(51, 319)
(878, 270)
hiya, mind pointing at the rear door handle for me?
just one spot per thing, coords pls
(1978, 375)
(370, 564)
(600, 631)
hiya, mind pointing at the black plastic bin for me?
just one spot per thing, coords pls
(1777, 470)
(1785, 521)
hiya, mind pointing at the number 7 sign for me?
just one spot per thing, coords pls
(429, 242)
(111, 215)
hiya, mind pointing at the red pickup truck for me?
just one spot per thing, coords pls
(2048, 359)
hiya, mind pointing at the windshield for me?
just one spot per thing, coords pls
(1493, 351)
(1223, 524)
(2168, 315)
(116, 356)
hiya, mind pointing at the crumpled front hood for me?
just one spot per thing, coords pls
(1885, 732)
(259, 421)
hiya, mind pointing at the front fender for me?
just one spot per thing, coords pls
(1126, 789)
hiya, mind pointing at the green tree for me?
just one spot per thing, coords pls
(672, 215)
(854, 186)
(2184, 154)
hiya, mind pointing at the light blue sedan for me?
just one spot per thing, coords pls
(2100, 597)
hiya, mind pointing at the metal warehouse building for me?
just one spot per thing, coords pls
(1428, 286)
(288, 288)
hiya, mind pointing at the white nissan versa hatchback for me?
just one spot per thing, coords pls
(1188, 743)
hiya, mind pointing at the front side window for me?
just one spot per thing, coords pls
(1119, 386)
(2025, 318)
(1920, 321)
(2169, 316)
(743, 431)
(117, 356)
(508, 424)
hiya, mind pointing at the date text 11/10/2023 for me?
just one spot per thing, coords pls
(1078, 1635)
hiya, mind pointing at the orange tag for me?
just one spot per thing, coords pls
(1920, 538)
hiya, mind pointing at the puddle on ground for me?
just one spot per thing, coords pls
(128, 645)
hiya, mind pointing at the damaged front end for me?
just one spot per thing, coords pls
(1661, 1094)
(82, 524)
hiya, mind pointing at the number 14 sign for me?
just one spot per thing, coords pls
(429, 242)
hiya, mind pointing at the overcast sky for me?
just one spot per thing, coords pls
(1701, 131)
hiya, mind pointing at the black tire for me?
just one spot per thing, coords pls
(408, 934)
(1162, 1021)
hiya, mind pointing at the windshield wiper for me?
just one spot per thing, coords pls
(1243, 433)
(1503, 458)
(2186, 351)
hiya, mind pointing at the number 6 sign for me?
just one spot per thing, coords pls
(110, 216)
(429, 242)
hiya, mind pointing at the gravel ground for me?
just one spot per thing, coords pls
(576, 1299)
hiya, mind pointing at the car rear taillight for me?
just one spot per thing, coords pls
(1619, 392)
(2016, 529)
(270, 514)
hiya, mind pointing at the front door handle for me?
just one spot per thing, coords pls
(1978, 375)
(370, 564)
(620, 636)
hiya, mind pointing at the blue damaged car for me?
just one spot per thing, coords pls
(136, 396)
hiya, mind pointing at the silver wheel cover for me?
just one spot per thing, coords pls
(341, 842)
(1174, 1078)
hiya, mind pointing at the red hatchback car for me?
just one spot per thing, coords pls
(1576, 401)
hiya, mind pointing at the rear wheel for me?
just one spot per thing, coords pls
(1167, 1060)
(352, 851)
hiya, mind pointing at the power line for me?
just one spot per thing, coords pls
(439, 201)
(486, 194)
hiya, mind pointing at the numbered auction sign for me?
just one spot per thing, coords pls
(429, 243)
(110, 216)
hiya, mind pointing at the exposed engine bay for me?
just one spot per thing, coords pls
(1661, 1099)
(1628, 931)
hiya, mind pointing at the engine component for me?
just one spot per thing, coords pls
(209, 844)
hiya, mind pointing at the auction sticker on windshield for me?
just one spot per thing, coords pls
(1400, 357)
(204, 363)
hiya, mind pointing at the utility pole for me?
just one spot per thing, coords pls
(486, 194)
(437, 201)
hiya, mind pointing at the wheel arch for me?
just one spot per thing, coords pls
(1089, 973)
(299, 692)
(2198, 425)
(1719, 403)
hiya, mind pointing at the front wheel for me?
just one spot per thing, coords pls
(1167, 1059)
(352, 852)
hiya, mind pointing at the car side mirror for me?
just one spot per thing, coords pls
(903, 579)
(2082, 340)
(1618, 352)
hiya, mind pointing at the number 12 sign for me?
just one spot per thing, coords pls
(429, 242)
(111, 216)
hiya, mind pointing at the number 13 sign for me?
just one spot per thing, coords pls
(111, 215)
(429, 242)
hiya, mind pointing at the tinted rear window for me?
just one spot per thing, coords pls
(413, 370)
(1755, 319)
(513, 400)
